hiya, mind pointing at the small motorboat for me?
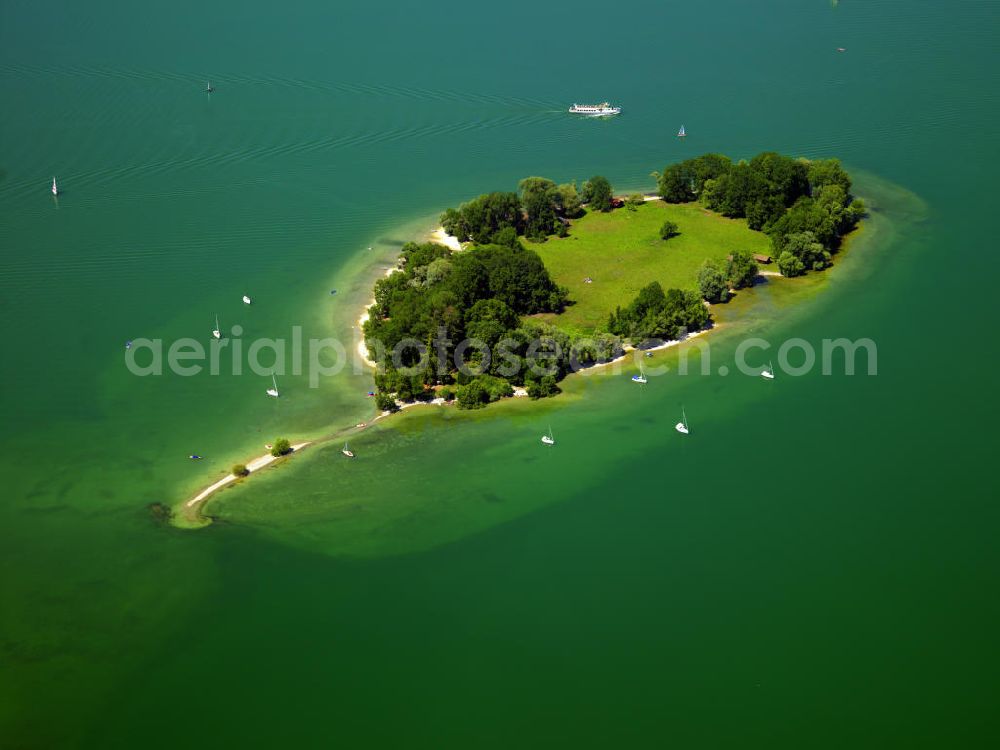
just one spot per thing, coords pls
(195, 457)
(841, 49)
(128, 345)
(333, 291)
(247, 300)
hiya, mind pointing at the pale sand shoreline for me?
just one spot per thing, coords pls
(440, 237)
(443, 238)
(258, 463)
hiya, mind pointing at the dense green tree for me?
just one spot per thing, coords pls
(741, 269)
(763, 211)
(496, 388)
(531, 186)
(415, 255)
(469, 279)
(789, 265)
(597, 193)
(730, 192)
(601, 347)
(472, 395)
(385, 402)
(569, 199)
(518, 278)
(488, 320)
(650, 298)
(438, 271)
(479, 219)
(787, 178)
(823, 172)
(542, 387)
(712, 283)
(281, 447)
(541, 217)
(506, 237)
(676, 184)
(805, 216)
(807, 249)
(668, 230)
(541, 200)
(240, 470)
(655, 314)
(683, 182)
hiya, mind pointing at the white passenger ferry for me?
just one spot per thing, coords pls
(603, 109)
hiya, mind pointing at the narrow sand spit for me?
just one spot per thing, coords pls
(258, 463)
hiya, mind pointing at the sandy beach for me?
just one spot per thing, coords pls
(443, 238)
(362, 350)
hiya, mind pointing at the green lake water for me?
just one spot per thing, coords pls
(815, 566)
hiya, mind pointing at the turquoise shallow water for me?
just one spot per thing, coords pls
(816, 568)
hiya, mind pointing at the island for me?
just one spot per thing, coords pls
(550, 279)
(517, 290)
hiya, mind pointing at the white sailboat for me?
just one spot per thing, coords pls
(217, 332)
(208, 87)
(347, 451)
(55, 188)
(548, 439)
(768, 372)
(273, 392)
(682, 426)
(681, 133)
(641, 377)
(246, 299)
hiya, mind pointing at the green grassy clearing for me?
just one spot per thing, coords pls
(622, 252)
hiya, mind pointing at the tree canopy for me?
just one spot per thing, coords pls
(482, 217)
(597, 193)
(776, 194)
(712, 283)
(741, 269)
(658, 314)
